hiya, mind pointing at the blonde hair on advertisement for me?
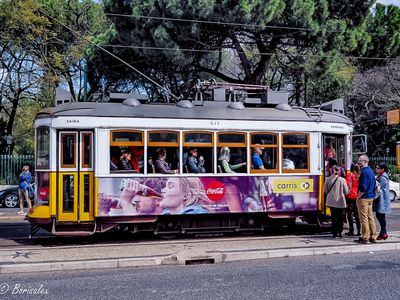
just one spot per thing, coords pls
(193, 191)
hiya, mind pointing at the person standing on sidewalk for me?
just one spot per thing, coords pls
(23, 188)
(381, 205)
(336, 189)
(352, 211)
(365, 197)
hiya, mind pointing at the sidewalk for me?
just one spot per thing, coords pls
(179, 252)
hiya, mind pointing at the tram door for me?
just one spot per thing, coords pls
(75, 176)
(334, 148)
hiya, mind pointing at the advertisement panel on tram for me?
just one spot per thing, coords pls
(206, 195)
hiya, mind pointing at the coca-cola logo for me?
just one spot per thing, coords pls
(43, 193)
(215, 190)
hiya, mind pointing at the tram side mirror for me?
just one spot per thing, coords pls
(360, 145)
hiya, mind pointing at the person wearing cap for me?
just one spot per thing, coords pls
(256, 160)
(195, 165)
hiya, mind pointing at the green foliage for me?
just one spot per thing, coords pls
(42, 54)
(393, 173)
(383, 26)
(272, 46)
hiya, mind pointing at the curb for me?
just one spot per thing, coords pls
(190, 257)
(11, 218)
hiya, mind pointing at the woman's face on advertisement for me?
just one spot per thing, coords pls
(171, 194)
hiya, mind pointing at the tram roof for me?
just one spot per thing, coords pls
(215, 111)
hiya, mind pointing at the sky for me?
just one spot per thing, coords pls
(387, 2)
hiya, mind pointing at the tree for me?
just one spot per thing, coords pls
(167, 44)
(374, 92)
(384, 25)
(38, 53)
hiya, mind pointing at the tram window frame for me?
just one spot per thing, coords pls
(41, 147)
(209, 145)
(68, 166)
(127, 144)
(162, 144)
(231, 145)
(296, 146)
(265, 146)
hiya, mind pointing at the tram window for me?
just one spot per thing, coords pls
(126, 152)
(42, 189)
(163, 160)
(43, 148)
(295, 139)
(232, 160)
(232, 152)
(264, 139)
(163, 152)
(126, 137)
(163, 137)
(198, 150)
(126, 159)
(198, 137)
(68, 193)
(87, 150)
(68, 150)
(295, 153)
(232, 138)
(264, 152)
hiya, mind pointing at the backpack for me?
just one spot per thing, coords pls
(377, 189)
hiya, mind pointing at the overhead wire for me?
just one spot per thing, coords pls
(216, 50)
(227, 23)
(111, 54)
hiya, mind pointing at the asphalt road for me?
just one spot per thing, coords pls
(353, 276)
(16, 233)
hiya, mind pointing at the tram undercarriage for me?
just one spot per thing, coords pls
(182, 225)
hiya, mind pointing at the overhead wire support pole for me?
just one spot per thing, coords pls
(113, 55)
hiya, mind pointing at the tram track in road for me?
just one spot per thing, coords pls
(8, 237)
(117, 239)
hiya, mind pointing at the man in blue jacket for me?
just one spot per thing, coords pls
(365, 197)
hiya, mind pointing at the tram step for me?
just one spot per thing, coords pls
(72, 233)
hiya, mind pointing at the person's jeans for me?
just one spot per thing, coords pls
(352, 215)
(24, 195)
(337, 216)
(382, 222)
(368, 227)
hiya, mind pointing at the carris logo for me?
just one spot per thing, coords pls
(215, 190)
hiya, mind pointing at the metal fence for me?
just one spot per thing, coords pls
(389, 160)
(11, 165)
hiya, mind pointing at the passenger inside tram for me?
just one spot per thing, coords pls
(125, 160)
(330, 152)
(195, 163)
(161, 164)
(225, 158)
(256, 160)
(114, 158)
(137, 158)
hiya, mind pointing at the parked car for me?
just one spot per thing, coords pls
(9, 195)
(394, 188)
